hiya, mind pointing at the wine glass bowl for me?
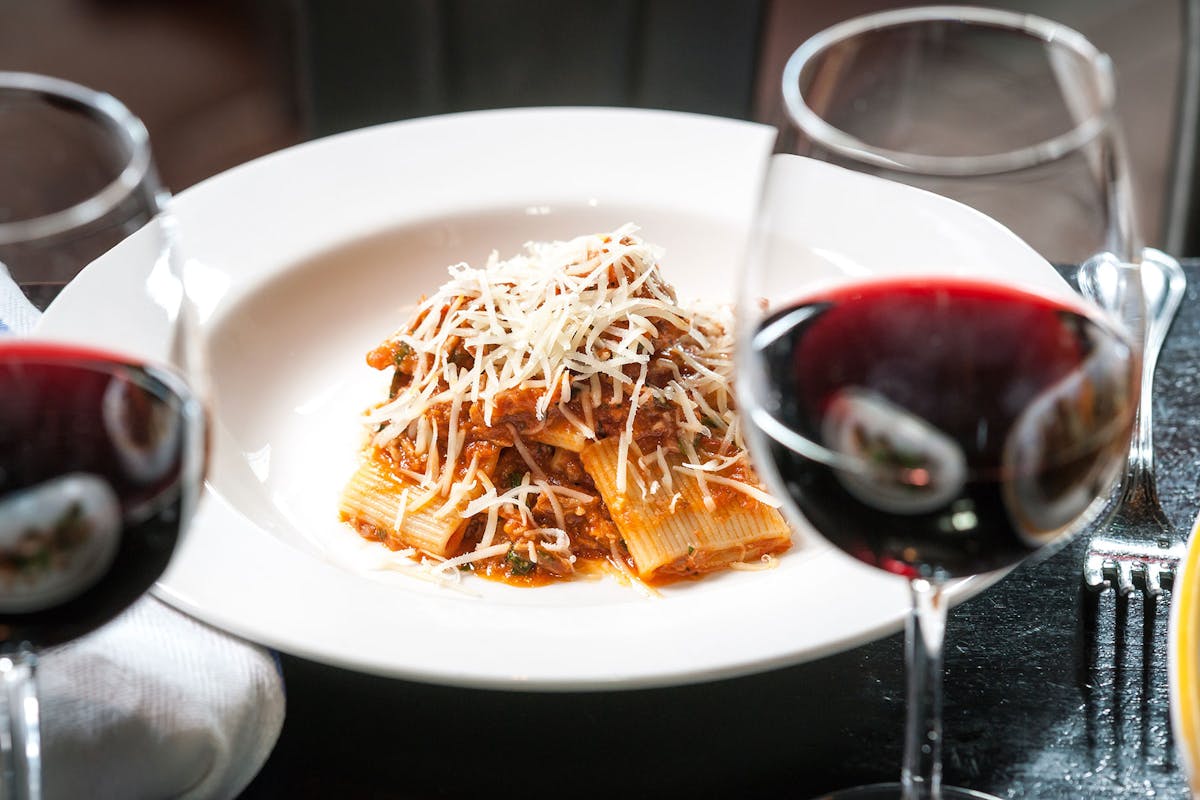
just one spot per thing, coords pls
(936, 427)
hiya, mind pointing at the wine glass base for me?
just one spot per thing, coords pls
(892, 791)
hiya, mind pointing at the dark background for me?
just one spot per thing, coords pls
(219, 82)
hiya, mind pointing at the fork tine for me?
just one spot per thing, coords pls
(1125, 585)
(1167, 572)
(1154, 573)
(1093, 571)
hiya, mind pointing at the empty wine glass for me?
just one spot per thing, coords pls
(101, 453)
(930, 420)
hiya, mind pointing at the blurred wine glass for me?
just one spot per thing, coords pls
(101, 453)
(930, 421)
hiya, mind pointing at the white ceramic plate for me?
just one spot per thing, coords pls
(304, 260)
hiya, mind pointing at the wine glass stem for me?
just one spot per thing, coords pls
(20, 734)
(921, 778)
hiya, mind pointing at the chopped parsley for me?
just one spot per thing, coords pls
(402, 351)
(517, 564)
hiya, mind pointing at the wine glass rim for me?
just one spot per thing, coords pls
(110, 112)
(1031, 25)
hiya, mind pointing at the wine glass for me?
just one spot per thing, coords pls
(933, 420)
(101, 453)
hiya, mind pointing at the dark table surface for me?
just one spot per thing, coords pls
(1051, 692)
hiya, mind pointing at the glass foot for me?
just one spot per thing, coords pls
(892, 791)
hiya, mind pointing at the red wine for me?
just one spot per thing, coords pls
(99, 465)
(941, 427)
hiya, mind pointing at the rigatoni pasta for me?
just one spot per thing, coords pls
(683, 531)
(556, 409)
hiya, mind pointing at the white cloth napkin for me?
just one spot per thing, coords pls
(155, 704)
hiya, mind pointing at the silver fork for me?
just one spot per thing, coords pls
(1138, 545)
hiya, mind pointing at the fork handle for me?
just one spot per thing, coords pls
(1163, 285)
